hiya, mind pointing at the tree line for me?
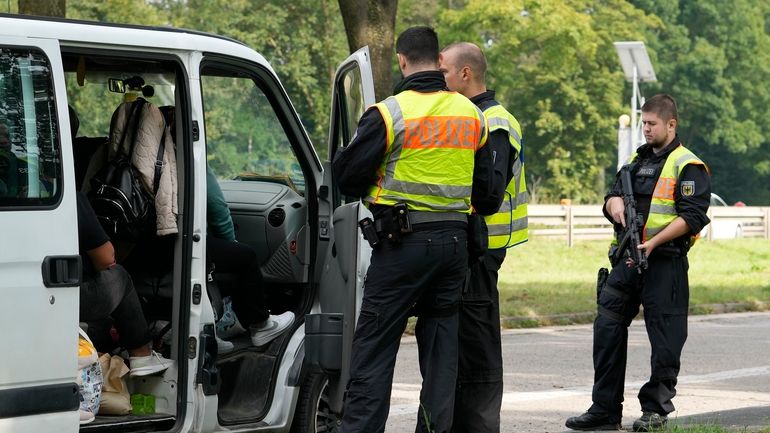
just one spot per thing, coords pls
(551, 62)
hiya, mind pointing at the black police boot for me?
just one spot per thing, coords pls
(592, 421)
(650, 421)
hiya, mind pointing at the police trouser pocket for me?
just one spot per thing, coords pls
(612, 302)
(601, 281)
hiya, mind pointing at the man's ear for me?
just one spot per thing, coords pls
(401, 61)
(672, 124)
(466, 73)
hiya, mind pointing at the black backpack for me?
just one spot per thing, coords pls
(123, 206)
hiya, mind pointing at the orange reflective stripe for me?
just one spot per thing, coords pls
(447, 132)
(664, 188)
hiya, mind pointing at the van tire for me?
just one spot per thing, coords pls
(313, 414)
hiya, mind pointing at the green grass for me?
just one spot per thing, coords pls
(711, 428)
(545, 282)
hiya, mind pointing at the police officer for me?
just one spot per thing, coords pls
(413, 160)
(480, 369)
(672, 190)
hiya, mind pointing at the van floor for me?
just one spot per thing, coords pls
(247, 375)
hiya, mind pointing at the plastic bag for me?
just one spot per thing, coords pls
(90, 379)
(115, 397)
(228, 325)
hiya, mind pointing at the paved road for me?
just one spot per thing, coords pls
(725, 376)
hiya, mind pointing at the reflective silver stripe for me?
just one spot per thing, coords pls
(398, 136)
(503, 122)
(444, 191)
(514, 202)
(682, 159)
(418, 217)
(517, 167)
(483, 126)
(507, 229)
(662, 209)
(459, 206)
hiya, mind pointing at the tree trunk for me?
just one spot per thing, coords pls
(46, 8)
(373, 23)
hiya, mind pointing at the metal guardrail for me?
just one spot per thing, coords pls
(583, 222)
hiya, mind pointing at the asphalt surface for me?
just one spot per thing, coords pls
(724, 379)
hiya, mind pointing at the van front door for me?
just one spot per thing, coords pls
(347, 256)
(39, 262)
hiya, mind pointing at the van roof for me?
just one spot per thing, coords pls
(81, 33)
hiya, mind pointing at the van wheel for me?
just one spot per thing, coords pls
(313, 414)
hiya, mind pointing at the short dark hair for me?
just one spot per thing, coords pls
(663, 105)
(469, 54)
(418, 44)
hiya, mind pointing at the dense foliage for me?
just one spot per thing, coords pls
(552, 64)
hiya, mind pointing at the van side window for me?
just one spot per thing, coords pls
(30, 164)
(245, 139)
(354, 105)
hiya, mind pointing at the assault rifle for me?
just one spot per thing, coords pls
(629, 240)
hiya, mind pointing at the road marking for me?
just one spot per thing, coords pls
(408, 395)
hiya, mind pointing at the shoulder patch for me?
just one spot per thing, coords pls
(688, 188)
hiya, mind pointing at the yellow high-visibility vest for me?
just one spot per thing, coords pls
(662, 205)
(432, 139)
(509, 226)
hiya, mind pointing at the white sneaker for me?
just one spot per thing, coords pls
(224, 346)
(147, 365)
(271, 328)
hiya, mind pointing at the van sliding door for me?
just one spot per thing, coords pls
(39, 262)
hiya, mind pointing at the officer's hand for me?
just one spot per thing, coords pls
(647, 248)
(617, 209)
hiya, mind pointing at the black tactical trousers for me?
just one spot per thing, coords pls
(479, 393)
(663, 290)
(427, 271)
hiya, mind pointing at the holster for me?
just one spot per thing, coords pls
(369, 232)
(601, 281)
(478, 238)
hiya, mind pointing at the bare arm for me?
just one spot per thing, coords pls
(103, 256)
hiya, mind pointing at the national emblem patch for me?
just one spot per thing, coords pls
(688, 188)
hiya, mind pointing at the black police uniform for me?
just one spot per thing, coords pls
(426, 270)
(479, 394)
(662, 289)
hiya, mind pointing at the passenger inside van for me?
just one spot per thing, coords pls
(108, 291)
(13, 181)
(239, 260)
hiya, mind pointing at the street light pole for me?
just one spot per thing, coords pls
(637, 68)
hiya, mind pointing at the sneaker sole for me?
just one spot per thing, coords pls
(267, 337)
(146, 371)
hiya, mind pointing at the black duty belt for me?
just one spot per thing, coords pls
(420, 217)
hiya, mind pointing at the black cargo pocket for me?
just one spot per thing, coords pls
(601, 281)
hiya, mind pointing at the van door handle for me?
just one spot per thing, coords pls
(62, 271)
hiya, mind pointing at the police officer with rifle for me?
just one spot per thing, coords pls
(670, 189)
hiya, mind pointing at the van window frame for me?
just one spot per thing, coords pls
(267, 81)
(186, 208)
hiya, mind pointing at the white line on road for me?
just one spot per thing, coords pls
(411, 392)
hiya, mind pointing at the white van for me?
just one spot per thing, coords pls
(229, 107)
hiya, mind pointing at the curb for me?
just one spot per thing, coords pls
(534, 321)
